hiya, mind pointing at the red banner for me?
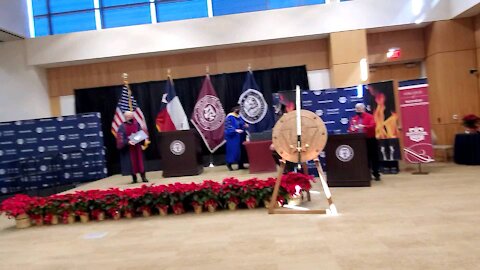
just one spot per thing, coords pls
(413, 96)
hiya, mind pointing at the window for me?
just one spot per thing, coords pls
(61, 16)
(64, 16)
(224, 7)
(172, 10)
(136, 12)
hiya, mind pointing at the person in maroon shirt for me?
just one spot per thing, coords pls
(364, 122)
(131, 155)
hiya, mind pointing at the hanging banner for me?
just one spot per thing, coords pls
(413, 97)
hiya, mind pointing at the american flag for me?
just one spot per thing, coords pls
(123, 106)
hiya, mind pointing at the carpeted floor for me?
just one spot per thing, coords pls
(402, 222)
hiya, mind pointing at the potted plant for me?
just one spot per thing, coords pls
(52, 209)
(17, 207)
(80, 206)
(294, 184)
(230, 193)
(471, 123)
(249, 193)
(212, 195)
(37, 210)
(160, 199)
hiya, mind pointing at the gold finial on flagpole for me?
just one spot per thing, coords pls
(207, 70)
(249, 67)
(125, 82)
(169, 76)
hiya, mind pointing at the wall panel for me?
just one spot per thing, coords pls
(411, 42)
(313, 53)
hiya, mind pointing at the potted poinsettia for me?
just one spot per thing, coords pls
(294, 184)
(249, 193)
(230, 193)
(37, 210)
(111, 204)
(212, 195)
(471, 123)
(17, 207)
(52, 209)
(145, 201)
(161, 199)
(198, 198)
(177, 196)
(80, 205)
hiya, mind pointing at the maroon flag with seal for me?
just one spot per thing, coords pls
(208, 116)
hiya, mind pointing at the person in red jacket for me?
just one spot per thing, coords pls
(364, 122)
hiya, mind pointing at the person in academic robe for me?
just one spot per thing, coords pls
(364, 122)
(131, 154)
(235, 135)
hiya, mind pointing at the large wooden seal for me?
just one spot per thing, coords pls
(314, 136)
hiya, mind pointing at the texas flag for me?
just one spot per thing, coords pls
(171, 115)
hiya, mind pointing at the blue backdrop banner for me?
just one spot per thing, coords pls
(334, 106)
(48, 152)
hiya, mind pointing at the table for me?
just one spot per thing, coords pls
(467, 149)
(260, 156)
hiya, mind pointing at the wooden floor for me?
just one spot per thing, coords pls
(402, 222)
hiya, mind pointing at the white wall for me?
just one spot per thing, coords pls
(319, 79)
(457, 7)
(252, 28)
(23, 89)
(14, 17)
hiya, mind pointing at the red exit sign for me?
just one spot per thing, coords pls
(393, 53)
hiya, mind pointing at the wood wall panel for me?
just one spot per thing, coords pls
(453, 90)
(313, 53)
(345, 75)
(411, 42)
(55, 109)
(476, 22)
(348, 47)
(452, 35)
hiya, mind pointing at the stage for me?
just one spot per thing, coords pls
(401, 222)
(217, 174)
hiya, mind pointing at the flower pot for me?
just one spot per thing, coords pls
(211, 208)
(146, 213)
(128, 215)
(84, 218)
(22, 221)
(38, 221)
(198, 209)
(266, 203)
(232, 206)
(116, 216)
(101, 216)
(71, 219)
(163, 211)
(54, 220)
(295, 200)
(251, 205)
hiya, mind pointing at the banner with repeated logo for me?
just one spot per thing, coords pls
(413, 97)
(334, 106)
(48, 152)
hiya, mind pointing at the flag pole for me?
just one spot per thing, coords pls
(125, 82)
(207, 74)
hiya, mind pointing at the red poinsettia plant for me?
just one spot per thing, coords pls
(16, 205)
(471, 121)
(292, 182)
(208, 194)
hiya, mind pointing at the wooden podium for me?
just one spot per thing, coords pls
(180, 153)
(347, 161)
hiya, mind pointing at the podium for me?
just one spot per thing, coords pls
(180, 153)
(260, 156)
(347, 161)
